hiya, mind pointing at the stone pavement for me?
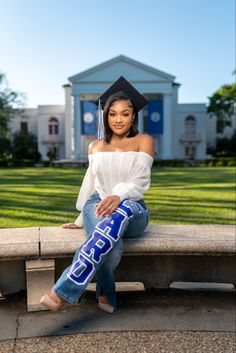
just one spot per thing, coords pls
(153, 321)
(126, 342)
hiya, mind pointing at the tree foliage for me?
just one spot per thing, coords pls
(24, 147)
(226, 146)
(10, 102)
(20, 146)
(222, 103)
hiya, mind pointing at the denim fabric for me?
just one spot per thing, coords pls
(102, 251)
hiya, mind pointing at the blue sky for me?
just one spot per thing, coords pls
(43, 42)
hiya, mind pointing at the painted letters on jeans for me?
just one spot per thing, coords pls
(97, 246)
(81, 270)
(105, 235)
(111, 225)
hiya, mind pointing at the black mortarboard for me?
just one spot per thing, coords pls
(123, 86)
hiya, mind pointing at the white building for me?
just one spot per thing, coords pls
(179, 130)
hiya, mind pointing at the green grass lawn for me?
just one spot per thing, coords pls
(46, 196)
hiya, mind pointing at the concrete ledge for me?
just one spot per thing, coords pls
(19, 243)
(34, 257)
(48, 242)
(185, 240)
(60, 242)
(158, 239)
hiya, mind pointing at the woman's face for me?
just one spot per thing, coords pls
(120, 117)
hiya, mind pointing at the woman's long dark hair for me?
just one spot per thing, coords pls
(107, 130)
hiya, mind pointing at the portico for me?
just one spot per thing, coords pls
(179, 130)
(156, 119)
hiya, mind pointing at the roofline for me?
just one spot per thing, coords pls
(116, 59)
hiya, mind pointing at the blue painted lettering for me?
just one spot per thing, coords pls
(97, 246)
(82, 270)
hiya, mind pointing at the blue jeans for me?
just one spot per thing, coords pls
(100, 254)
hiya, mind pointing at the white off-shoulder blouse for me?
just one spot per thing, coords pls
(125, 174)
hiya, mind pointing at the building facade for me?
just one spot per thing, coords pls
(180, 131)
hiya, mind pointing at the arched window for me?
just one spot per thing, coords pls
(190, 125)
(53, 126)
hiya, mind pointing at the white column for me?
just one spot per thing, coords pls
(167, 130)
(140, 122)
(175, 123)
(77, 127)
(68, 122)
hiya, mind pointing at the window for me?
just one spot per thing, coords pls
(193, 152)
(24, 127)
(190, 125)
(187, 151)
(190, 151)
(53, 153)
(53, 126)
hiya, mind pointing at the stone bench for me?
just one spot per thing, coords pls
(17, 245)
(33, 258)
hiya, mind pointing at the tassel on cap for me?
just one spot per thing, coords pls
(100, 121)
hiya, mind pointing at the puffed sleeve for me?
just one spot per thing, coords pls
(86, 190)
(138, 181)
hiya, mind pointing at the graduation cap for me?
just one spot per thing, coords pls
(119, 88)
(123, 86)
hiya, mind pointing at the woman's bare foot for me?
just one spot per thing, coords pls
(70, 226)
(104, 305)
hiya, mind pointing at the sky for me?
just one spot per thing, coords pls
(43, 42)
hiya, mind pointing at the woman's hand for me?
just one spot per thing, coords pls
(107, 206)
(70, 226)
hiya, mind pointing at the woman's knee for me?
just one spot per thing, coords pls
(140, 219)
(137, 208)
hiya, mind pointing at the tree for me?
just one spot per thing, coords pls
(25, 147)
(10, 102)
(222, 104)
(226, 146)
(5, 151)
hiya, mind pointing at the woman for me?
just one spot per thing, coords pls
(110, 199)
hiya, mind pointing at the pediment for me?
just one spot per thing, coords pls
(121, 65)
